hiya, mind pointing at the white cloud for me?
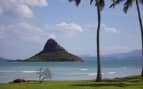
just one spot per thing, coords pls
(29, 33)
(20, 8)
(104, 27)
(110, 29)
(69, 27)
(52, 35)
(65, 29)
(34, 2)
(24, 32)
(23, 11)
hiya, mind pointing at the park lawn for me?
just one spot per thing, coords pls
(134, 82)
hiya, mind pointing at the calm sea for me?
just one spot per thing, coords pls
(69, 70)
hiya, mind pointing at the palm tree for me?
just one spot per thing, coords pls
(127, 4)
(100, 5)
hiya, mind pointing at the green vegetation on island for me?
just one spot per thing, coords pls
(53, 52)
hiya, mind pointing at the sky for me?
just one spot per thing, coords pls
(26, 25)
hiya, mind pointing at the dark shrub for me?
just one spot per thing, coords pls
(18, 81)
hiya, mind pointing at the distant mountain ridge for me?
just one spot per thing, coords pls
(3, 59)
(52, 51)
(135, 54)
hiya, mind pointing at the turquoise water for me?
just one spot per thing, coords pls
(69, 70)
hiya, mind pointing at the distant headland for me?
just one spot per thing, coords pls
(52, 51)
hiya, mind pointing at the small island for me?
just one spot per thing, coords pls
(52, 51)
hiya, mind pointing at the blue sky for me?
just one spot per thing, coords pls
(25, 26)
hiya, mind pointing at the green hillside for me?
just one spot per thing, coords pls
(52, 51)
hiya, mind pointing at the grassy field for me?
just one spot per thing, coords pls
(135, 82)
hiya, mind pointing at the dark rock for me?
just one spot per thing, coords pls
(18, 81)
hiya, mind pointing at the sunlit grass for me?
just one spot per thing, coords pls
(134, 82)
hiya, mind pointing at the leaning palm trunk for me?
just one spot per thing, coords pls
(99, 75)
(141, 28)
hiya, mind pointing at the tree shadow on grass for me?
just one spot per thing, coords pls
(106, 85)
(100, 85)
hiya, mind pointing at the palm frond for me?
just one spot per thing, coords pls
(141, 1)
(115, 2)
(76, 1)
(127, 4)
(91, 1)
(101, 4)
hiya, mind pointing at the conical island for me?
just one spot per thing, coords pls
(52, 51)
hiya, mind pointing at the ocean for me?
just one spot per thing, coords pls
(69, 70)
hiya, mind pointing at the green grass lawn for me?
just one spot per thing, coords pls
(135, 82)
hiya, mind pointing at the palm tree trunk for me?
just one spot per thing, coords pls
(99, 76)
(141, 28)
